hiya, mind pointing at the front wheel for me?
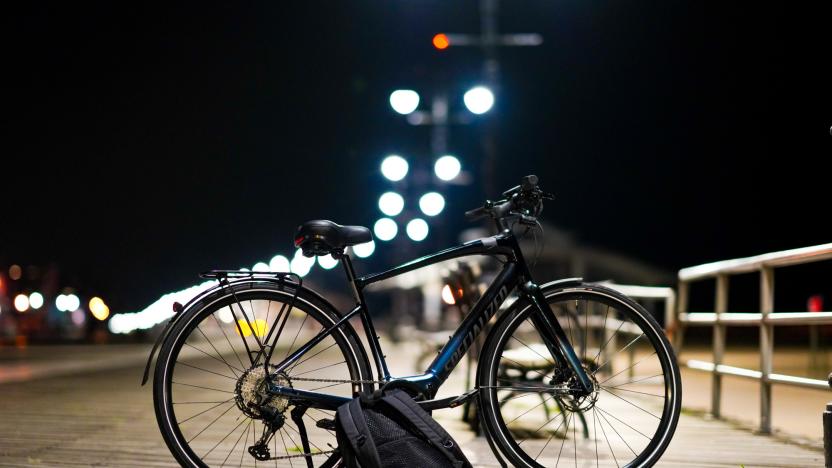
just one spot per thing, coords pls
(530, 407)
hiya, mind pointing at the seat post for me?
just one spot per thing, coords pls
(348, 269)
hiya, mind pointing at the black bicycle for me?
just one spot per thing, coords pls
(251, 371)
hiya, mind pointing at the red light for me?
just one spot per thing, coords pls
(816, 303)
(441, 42)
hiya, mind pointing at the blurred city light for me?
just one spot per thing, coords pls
(259, 326)
(99, 309)
(155, 313)
(60, 302)
(404, 101)
(21, 302)
(35, 300)
(479, 100)
(417, 229)
(78, 317)
(260, 267)
(364, 250)
(447, 167)
(15, 272)
(225, 315)
(327, 262)
(279, 263)
(300, 265)
(385, 229)
(391, 203)
(441, 42)
(448, 295)
(432, 203)
(72, 302)
(394, 167)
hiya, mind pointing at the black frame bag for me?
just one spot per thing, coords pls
(393, 431)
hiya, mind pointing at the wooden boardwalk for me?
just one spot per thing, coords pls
(104, 418)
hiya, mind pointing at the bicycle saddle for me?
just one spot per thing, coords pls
(321, 237)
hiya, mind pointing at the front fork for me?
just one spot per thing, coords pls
(555, 338)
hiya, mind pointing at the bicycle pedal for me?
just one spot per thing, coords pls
(328, 424)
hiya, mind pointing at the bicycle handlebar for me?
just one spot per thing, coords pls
(523, 202)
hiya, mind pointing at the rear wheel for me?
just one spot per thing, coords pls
(535, 417)
(209, 393)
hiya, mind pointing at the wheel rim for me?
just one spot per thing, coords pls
(209, 381)
(626, 421)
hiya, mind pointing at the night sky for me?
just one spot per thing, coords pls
(144, 143)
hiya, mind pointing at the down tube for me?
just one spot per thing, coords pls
(473, 323)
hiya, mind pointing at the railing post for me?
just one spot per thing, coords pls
(766, 346)
(676, 327)
(721, 307)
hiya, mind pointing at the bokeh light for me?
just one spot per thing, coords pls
(35, 300)
(260, 326)
(327, 262)
(21, 303)
(301, 265)
(279, 263)
(364, 250)
(448, 295)
(404, 101)
(99, 309)
(478, 100)
(417, 229)
(391, 203)
(385, 229)
(72, 302)
(447, 167)
(260, 267)
(432, 203)
(15, 272)
(394, 167)
(441, 41)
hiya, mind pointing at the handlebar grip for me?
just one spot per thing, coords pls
(476, 213)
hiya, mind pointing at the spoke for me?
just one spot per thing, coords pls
(243, 452)
(550, 436)
(515, 397)
(601, 349)
(635, 381)
(211, 424)
(235, 443)
(226, 436)
(618, 352)
(532, 350)
(309, 357)
(634, 391)
(222, 329)
(219, 355)
(285, 448)
(594, 414)
(203, 412)
(204, 388)
(206, 370)
(575, 438)
(586, 328)
(214, 358)
(566, 433)
(320, 368)
(622, 422)
(625, 370)
(616, 433)
(296, 334)
(595, 434)
(198, 402)
(523, 367)
(530, 409)
(630, 402)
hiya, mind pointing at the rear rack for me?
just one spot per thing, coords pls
(231, 274)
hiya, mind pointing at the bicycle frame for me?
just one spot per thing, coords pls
(514, 274)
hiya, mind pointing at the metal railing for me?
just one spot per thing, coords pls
(766, 319)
